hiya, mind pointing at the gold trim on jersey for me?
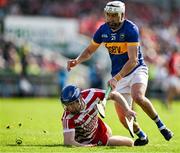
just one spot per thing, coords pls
(117, 47)
(133, 44)
(94, 43)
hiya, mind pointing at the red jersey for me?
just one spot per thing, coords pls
(88, 127)
(174, 64)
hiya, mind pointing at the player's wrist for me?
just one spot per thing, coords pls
(77, 61)
(117, 77)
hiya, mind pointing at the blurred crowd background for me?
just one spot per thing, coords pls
(33, 58)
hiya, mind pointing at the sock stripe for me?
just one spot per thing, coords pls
(162, 127)
(156, 117)
(143, 138)
(141, 134)
(156, 120)
(137, 132)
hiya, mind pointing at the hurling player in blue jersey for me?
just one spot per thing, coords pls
(129, 72)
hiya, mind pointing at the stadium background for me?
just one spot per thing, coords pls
(37, 37)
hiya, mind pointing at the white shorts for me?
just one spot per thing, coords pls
(140, 75)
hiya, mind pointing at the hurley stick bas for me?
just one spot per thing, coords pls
(130, 125)
(101, 105)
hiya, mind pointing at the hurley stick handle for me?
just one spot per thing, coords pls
(106, 96)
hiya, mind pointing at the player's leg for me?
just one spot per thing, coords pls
(173, 90)
(120, 111)
(138, 95)
(142, 137)
(120, 141)
(123, 87)
(104, 137)
(103, 133)
(109, 131)
(138, 89)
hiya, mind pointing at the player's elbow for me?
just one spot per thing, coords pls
(111, 95)
(68, 142)
(114, 95)
(88, 52)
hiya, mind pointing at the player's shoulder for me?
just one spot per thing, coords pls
(130, 25)
(90, 92)
(65, 114)
(103, 27)
(69, 118)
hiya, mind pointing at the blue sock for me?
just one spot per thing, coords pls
(141, 134)
(159, 123)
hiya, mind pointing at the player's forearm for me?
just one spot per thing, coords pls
(72, 143)
(84, 56)
(123, 103)
(117, 97)
(127, 68)
(77, 144)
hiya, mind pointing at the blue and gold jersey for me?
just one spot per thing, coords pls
(118, 42)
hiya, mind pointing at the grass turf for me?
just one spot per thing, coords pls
(37, 121)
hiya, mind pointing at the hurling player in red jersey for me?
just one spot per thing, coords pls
(173, 80)
(81, 124)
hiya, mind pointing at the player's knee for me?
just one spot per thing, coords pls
(129, 142)
(138, 98)
(109, 131)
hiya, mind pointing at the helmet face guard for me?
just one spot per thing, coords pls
(115, 7)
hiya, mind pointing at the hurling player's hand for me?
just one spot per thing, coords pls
(71, 63)
(112, 83)
(130, 113)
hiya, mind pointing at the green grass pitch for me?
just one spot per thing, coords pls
(37, 121)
